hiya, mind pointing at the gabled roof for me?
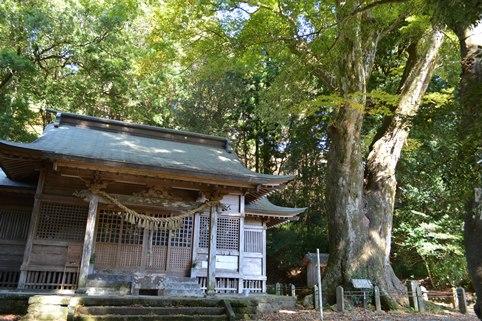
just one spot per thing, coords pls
(84, 138)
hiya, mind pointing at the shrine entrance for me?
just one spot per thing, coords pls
(122, 246)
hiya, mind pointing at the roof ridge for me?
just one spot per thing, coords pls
(155, 132)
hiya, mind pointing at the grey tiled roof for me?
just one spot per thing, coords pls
(75, 138)
(6, 182)
(264, 207)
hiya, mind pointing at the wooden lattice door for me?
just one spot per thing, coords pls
(126, 247)
(119, 244)
(170, 251)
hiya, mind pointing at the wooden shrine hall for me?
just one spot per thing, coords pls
(96, 203)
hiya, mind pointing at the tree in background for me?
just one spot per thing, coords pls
(85, 56)
(326, 53)
(291, 84)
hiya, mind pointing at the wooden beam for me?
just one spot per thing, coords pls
(211, 272)
(122, 169)
(148, 180)
(195, 241)
(31, 230)
(85, 266)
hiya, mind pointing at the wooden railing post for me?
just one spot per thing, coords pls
(462, 300)
(316, 301)
(412, 294)
(293, 290)
(340, 299)
(455, 301)
(378, 305)
(420, 299)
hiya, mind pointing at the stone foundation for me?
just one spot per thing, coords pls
(71, 307)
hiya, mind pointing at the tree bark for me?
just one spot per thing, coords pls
(471, 131)
(360, 203)
(380, 180)
(346, 221)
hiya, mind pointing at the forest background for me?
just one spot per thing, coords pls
(232, 69)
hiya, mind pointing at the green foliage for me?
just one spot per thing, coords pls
(251, 71)
(434, 186)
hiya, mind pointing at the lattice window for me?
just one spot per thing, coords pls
(108, 227)
(227, 237)
(204, 231)
(59, 221)
(14, 223)
(182, 237)
(253, 285)
(131, 234)
(111, 228)
(253, 241)
(228, 233)
(160, 237)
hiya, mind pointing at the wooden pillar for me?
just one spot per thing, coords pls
(264, 256)
(241, 253)
(195, 242)
(31, 230)
(88, 241)
(213, 231)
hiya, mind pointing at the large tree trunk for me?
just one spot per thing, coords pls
(346, 221)
(471, 131)
(360, 220)
(380, 181)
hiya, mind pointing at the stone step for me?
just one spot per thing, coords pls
(151, 301)
(179, 317)
(182, 292)
(136, 310)
(181, 284)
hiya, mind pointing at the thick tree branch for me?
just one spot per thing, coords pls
(385, 153)
(374, 4)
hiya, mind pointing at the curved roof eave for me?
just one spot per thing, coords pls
(263, 207)
(33, 154)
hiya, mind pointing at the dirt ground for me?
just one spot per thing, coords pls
(355, 315)
(360, 315)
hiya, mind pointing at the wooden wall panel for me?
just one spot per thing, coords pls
(48, 255)
(11, 255)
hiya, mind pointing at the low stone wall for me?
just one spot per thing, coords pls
(57, 307)
(14, 303)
